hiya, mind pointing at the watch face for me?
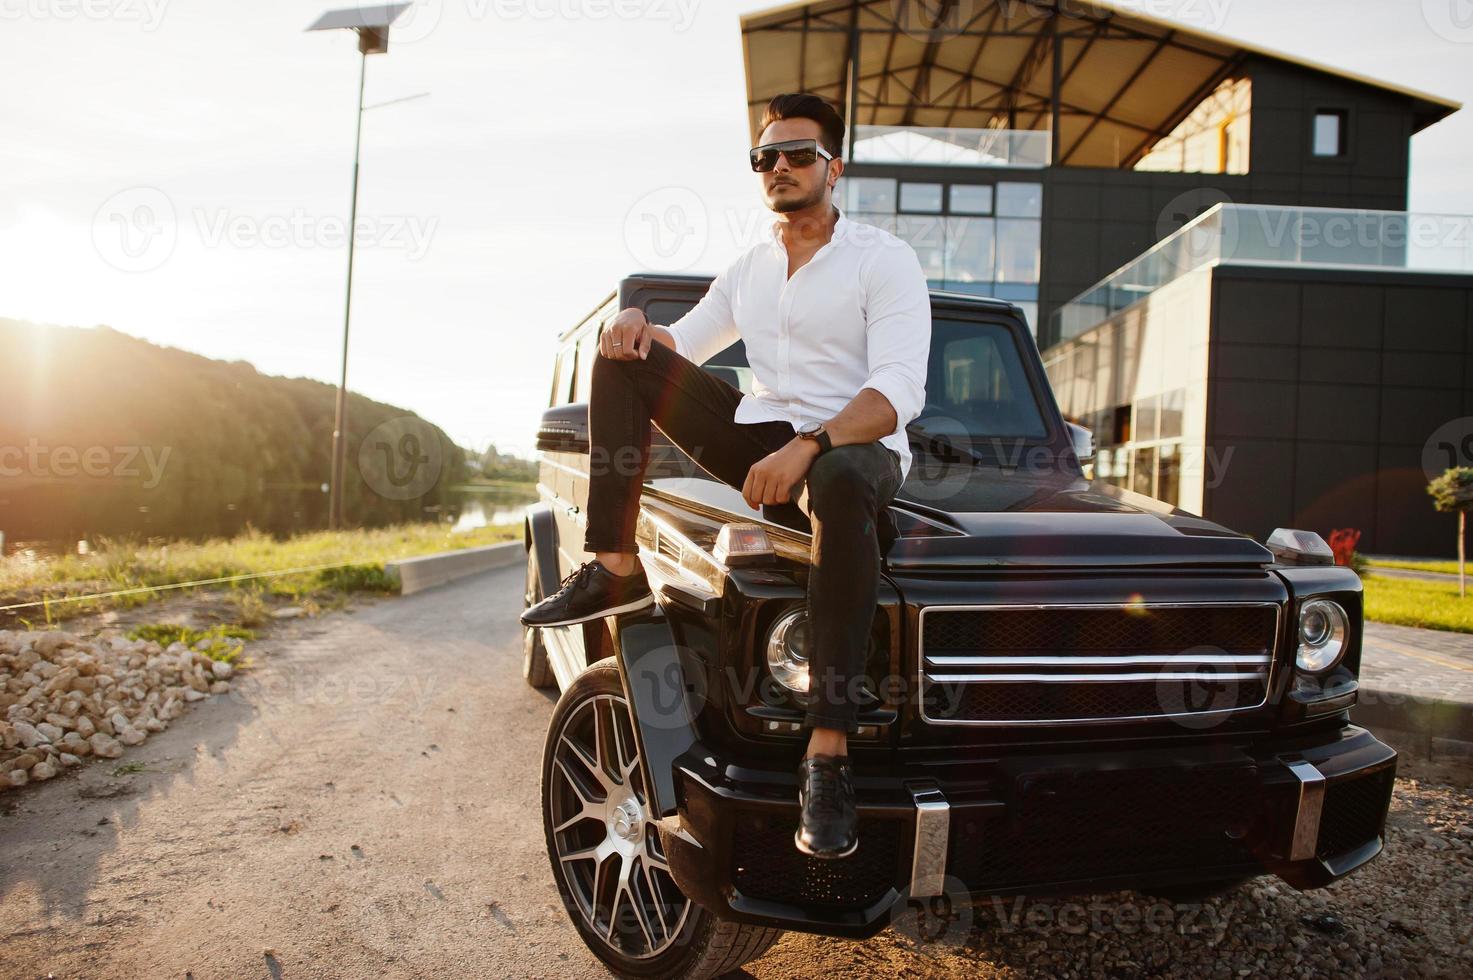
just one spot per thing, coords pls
(807, 428)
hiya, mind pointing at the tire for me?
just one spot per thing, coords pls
(596, 822)
(536, 671)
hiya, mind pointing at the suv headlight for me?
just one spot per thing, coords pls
(787, 650)
(1323, 627)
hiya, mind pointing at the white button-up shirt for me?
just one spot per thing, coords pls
(856, 315)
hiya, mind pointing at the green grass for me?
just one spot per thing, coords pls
(213, 642)
(1448, 566)
(117, 564)
(1418, 602)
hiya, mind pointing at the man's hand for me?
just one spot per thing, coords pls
(632, 334)
(772, 478)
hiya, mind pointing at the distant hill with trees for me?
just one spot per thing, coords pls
(104, 433)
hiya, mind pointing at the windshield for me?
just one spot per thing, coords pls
(976, 387)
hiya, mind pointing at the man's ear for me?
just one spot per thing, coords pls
(836, 167)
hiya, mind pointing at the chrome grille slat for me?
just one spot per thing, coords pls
(1122, 678)
(1094, 662)
(1087, 660)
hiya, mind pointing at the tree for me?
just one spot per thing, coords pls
(1453, 491)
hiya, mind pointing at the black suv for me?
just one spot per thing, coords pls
(1071, 687)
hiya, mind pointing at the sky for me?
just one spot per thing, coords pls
(180, 170)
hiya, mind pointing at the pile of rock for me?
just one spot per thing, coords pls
(65, 697)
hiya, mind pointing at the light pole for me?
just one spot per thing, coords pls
(372, 26)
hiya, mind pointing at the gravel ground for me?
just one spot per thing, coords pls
(1409, 913)
(363, 803)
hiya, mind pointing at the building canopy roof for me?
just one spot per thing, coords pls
(1124, 79)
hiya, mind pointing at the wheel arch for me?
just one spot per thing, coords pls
(539, 532)
(664, 697)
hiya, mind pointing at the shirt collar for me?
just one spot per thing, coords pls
(841, 229)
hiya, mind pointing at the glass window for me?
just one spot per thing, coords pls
(927, 235)
(920, 197)
(977, 382)
(1143, 474)
(971, 199)
(1173, 403)
(1146, 412)
(559, 370)
(869, 194)
(1168, 480)
(587, 350)
(1018, 250)
(1329, 133)
(1019, 200)
(970, 250)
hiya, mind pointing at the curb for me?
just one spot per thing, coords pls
(1444, 724)
(427, 571)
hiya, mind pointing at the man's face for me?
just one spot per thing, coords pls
(786, 188)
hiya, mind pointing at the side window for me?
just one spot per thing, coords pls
(587, 351)
(562, 378)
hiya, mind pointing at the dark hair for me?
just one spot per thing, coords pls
(802, 105)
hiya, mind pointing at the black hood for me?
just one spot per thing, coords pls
(1049, 517)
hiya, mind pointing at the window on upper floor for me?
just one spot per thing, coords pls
(1329, 133)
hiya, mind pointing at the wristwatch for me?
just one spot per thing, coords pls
(816, 432)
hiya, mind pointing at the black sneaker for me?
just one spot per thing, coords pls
(828, 823)
(591, 591)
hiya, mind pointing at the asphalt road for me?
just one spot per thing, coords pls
(364, 803)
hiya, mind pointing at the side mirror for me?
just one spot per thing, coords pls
(1082, 441)
(564, 429)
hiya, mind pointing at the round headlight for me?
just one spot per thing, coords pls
(787, 650)
(1323, 626)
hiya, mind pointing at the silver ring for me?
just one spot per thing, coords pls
(618, 343)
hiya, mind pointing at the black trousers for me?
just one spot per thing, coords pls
(846, 488)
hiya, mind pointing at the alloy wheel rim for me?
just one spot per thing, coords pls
(603, 834)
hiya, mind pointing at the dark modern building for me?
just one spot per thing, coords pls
(1209, 238)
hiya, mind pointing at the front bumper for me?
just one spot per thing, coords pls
(1309, 810)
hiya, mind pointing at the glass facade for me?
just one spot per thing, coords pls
(972, 238)
(1138, 381)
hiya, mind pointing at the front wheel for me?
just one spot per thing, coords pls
(606, 858)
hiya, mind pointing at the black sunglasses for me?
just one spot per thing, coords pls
(800, 153)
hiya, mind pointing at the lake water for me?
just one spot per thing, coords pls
(478, 508)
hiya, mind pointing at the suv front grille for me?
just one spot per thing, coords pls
(1084, 663)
